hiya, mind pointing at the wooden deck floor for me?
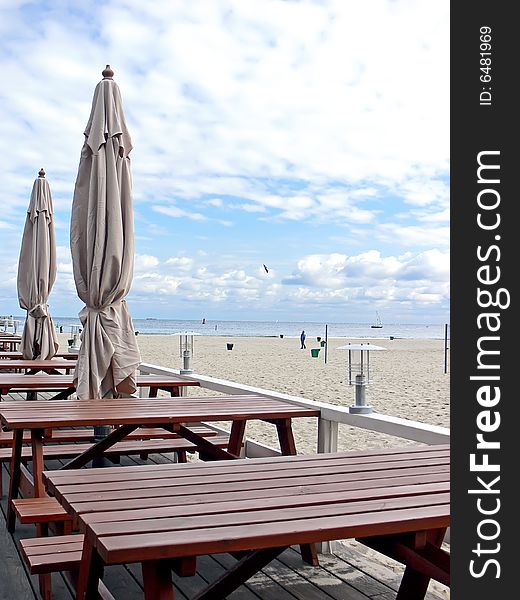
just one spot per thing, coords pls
(353, 573)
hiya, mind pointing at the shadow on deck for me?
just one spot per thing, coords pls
(354, 572)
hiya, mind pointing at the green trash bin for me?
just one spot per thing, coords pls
(315, 352)
(322, 343)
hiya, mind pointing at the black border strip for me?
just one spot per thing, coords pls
(484, 119)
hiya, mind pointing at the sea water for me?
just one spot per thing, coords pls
(274, 328)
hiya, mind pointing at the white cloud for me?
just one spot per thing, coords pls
(144, 262)
(178, 213)
(299, 112)
(422, 278)
(215, 202)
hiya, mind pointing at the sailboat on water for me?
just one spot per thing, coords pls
(378, 324)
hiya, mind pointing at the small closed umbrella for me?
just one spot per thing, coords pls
(102, 245)
(37, 273)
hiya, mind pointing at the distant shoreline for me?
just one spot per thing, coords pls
(274, 329)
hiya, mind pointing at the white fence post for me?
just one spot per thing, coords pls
(327, 436)
(327, 442)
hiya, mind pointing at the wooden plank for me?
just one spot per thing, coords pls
(136, 446)
(209, 570)
(87, 434)
(260, 585)
(171, 490)
(243, 511)
(122, 548)
(151, 480)
(143, 411)
(267, 517)
(66, 384)
(159, 502)
(325, 581)
(19, 356)
(238, 573)
(333, 565)
(270, 464)
(221, 503)
(54, 363)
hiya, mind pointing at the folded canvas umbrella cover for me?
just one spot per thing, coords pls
(102, 245)
(37, 273)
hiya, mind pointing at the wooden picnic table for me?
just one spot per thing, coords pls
(127, 414)
(64, 384)
(32, 367)
(393, 500)
(9, 342)
(19, 356)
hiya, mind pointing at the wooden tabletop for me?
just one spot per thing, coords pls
(40, 364)
(17, 355)
(145, 411)
(138, 513)
(57, 382)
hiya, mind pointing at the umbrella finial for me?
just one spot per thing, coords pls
(107, 72)
(41, 173)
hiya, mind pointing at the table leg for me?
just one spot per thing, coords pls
(14, 483)
(90, 572)
(239, 573)
(236, 437)
(98, 449)
(285, 436)
(204, 445)
(414, 584)
(64, 394)
(157, 580)
(45, 581)
(37, 462)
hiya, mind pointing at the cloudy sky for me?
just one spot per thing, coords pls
(311, 136)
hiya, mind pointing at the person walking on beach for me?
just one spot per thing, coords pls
(302, 340)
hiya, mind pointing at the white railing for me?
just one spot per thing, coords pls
(330, 415)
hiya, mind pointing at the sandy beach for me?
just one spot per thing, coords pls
(408, 378)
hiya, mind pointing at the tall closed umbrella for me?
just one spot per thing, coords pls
(37, 273)
(102, 245)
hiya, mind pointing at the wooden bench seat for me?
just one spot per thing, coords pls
(46, 555)
(87, 435)
(50, 554)
(40, 510)
(126, 447)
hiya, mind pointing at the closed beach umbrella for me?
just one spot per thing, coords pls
(102, 245)
(37, 273)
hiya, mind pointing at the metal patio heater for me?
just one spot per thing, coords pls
(186, 351)
(359, 374)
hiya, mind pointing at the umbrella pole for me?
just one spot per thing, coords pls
(100, 433)
(33, 395)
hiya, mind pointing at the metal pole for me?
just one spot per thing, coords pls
(326, 342)
(446, 348)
